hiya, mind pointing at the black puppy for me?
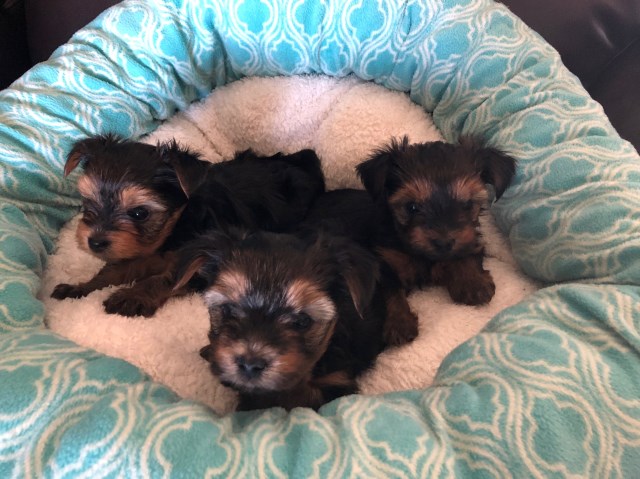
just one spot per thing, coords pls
(294, 320)
(142, 202)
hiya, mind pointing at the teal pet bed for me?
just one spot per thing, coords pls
(550, 388)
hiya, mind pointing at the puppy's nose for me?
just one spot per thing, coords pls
(98, 244)
(442, 245)
(251, 367)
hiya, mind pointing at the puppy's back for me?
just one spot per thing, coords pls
(344, 212)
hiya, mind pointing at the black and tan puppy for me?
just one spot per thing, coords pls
(293, 321)
(141, 202)
(428, 198)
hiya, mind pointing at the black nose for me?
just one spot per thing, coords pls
(442, 245)
(251, 367)
(97, 244)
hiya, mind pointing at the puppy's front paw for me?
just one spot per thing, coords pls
(124, 303)
(400, 330)
(474, 291)
(63, 291)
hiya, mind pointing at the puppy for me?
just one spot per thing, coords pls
(293, 321)
(428, 198)
(142, 202)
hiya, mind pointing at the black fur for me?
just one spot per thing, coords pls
(344, 271)
(180, 197)
(269, 193)
(427, 200)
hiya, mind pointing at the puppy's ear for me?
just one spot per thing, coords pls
(496, 167)
(374, 172)
(358, 267)
(202, 257)
(190, 169)
(83, 150)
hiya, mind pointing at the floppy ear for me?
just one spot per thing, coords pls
(358, 267)
(495, 167)
(374, 172)
(83, 150)
(190, 169)
(201, 258)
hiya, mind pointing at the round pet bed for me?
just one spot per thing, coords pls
(549, 388)
(344, 120)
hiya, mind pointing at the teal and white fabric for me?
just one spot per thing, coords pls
(550, 389)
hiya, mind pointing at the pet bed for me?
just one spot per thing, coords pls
(343, 120)
(549, 388)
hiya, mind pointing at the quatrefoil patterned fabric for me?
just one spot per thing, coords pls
(551, 388)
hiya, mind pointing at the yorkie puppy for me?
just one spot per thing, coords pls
(141, 202)
(294, 320)
(428, 198)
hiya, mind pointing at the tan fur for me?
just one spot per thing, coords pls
(125, 245)
(416, 189)
(469, 188)
(303, 295)
(291, 362)
(82, 236)
(125, 241)
(233, 284)
(89, 188)
(336, 378)
(284, 370)
(133, 195)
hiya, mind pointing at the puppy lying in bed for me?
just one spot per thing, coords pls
(166, 346)
(273, 347)
(427, 200)
(294, 321)
(141, 202)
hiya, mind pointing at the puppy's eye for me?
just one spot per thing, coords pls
(412, 207)
(138, 214)
(467, 205)
(301, 321)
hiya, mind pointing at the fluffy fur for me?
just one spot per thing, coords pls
(141, 202)
(428, 199)
(343, 120)
(292, 320)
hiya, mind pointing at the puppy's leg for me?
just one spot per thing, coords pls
(400, 273)
(112, 274)
(465, 279)
(146, 296)
(401, 324)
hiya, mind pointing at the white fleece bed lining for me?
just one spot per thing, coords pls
(343, 120)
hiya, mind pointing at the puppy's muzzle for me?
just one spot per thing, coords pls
(251, 367)
(98, 244)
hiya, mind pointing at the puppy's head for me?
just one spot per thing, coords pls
(436, 191)
(132, 194)
(274, 302)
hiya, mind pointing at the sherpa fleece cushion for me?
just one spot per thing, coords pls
(343, 120)
(549, 388)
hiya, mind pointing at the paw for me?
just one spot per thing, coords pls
(63, 291)
(399, 331)
(474, 292)
(125, 304)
